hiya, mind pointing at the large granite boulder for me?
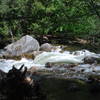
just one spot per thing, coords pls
(24, 45)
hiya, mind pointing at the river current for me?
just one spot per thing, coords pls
(57, 57)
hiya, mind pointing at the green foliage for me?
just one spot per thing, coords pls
(74, 17)
(3, 28)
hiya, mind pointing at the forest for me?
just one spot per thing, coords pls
(69, 19)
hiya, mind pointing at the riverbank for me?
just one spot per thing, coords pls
(71, 44)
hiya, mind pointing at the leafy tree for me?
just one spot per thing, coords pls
(77, 18)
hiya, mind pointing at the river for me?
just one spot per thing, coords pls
(66, 78)
(59, 59)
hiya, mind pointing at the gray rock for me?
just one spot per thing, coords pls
(24, 45)
(89, 60)
(46, 47)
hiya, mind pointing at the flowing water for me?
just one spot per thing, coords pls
(68, 76)
(63, 80)
(66, 57)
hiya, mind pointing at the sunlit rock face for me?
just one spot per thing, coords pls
(24, 45)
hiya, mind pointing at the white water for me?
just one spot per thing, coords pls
(6, 65)
(55, 57)
(65, 57)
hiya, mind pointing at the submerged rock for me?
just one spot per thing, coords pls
(24, 45)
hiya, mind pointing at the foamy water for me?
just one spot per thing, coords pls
(39, 62)
(6, 65)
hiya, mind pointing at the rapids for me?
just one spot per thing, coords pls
(65, 57)
(39, 62)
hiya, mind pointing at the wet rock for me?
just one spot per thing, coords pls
(89, 60)
(48, 65)
(24, 45)
(70, 65)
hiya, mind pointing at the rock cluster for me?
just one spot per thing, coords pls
(27, 47)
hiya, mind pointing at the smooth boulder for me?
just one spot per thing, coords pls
(25, 45)
(48, 48)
